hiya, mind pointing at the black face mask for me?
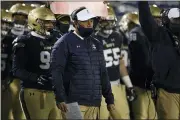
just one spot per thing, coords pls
(63, 27)
(85, 32)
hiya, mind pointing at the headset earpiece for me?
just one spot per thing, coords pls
(165, 19)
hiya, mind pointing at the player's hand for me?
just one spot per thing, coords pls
(42, 79)
(111, 107)
(62, 106)
(131, 94)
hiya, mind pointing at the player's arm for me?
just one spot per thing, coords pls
(147, 21)
(59, 57)
(19, 61)
(106, 86)
(124, 73)
(131, 95)
(122, 67)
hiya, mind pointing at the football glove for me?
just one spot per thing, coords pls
(131, 94)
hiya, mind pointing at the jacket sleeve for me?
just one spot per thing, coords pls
(19, 61)
(148, 24)
(58, 62)
(106, 86)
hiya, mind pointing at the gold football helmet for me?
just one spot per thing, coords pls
(127, 19)
(21, 9)
(6, 16)
(41, 20)
(155, 10)
(110, 21)
(63, 22)
(156, 13)
(107, 24)
(20, 13)
(65, 19)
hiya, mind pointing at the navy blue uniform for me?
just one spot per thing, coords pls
(112, 53)
(140, 58)
(32, 59)
(165, 59)
(79, 72)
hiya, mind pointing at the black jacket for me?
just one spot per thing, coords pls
(140, 58)
(79, 72)
(165, 58)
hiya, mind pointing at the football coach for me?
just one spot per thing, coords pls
(78, 68)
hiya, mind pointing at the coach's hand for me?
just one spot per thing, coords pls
(111, 107)
(63, 107)
(113, 112)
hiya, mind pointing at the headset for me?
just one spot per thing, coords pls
(165, 19)
(75, 12)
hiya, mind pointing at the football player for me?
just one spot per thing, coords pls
(156, 13)
(141, 72)
(6, 22)
(61, 27)
(62, 23)
(6, 48)
(19, 27)
(165, 43)
(20, 13)
(116, 67)
(31, 63)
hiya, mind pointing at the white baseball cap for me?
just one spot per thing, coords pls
(84, 15)
(174, 13)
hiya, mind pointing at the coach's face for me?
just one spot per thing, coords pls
(84, 28)
(86, 24)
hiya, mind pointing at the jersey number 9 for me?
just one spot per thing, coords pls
(45, 60)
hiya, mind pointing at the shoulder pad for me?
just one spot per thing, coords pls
(20, 39)
(19, 42)
(137, 30)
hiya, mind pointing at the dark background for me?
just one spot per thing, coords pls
(120, 7)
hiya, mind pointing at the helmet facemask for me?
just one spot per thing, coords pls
(107, 26)
(45, 27)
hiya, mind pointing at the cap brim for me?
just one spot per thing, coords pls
(84, 15)
(174, 13)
